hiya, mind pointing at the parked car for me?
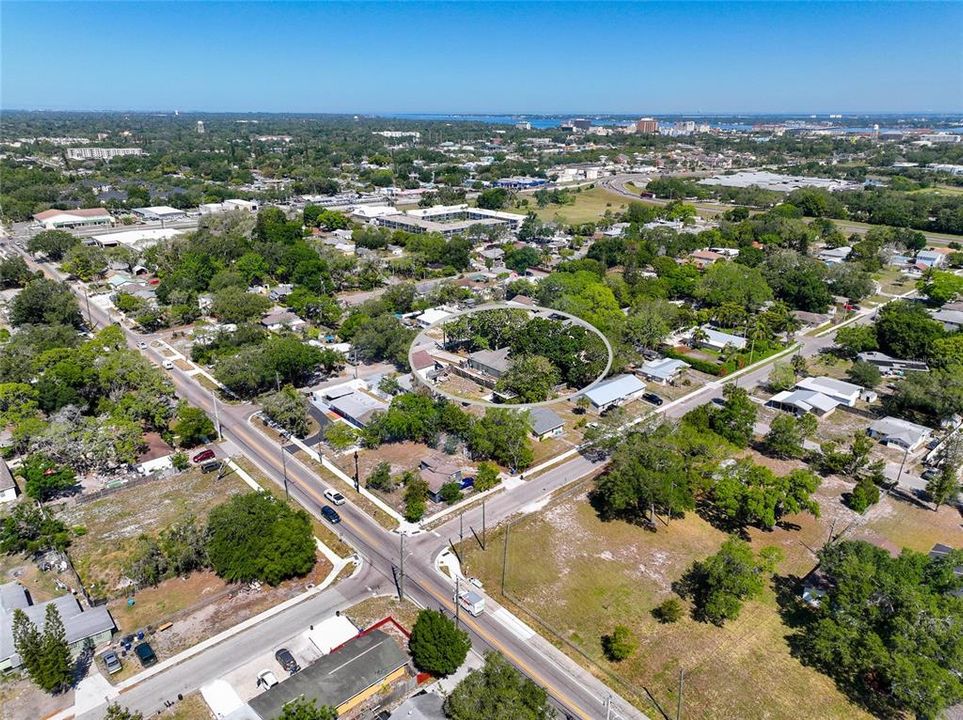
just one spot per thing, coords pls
(286, 660)
(142, 345)
(330, 514)
(203, 455)
(652, 398)
(112, 662)
(930, 474)
(210, 466)
(267, 679)
(145, 653)
(335, 497)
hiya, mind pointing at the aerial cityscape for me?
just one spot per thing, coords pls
(481, 361)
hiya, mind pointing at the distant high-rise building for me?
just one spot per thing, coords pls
(200, 127)
(647, 125)
(582, 123)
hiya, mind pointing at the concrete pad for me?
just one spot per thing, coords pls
(92, 691)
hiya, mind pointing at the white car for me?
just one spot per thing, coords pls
(168, 364)
(267, 678)
(142, 345)
(335, 497)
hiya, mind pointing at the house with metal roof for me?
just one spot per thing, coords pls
(888, 365)
(717, 340)
(844, 393)
(800, 402)
(663, 370)
(356, 406)
(615, 391)
(8, 487)
(546, 423)
(80, 626)
(901, 433)
(343, 679)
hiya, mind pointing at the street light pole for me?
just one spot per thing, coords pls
(284, 465)
(217, 418)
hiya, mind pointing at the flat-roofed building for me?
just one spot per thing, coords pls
(136, 239)
(159, 212)
(449, 220)
(343, 679)
(100, 153)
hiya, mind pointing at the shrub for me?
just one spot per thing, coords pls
(669, 611)
(863, 495)
(619, 645)
(450, 492)
(180, 461)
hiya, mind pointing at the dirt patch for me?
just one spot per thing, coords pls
(367, 612)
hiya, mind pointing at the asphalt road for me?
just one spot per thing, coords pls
(576, 691)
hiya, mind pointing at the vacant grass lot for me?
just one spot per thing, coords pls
(589, 206)
(581, 576)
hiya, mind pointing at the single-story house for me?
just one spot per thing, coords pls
(930, 258)
(902, 433)
(343, 679)
(615, 391)
(421, 360)
(522, 300)
(279, 319)
(704, 258)
(156, 457)
(800, 402)
(355, 406)
(546, 423)
(835, 256)
(437, 470)
(94, 624)
(717, 340)
(8, 486)
(952, 319)
(888, 364)
(664, 370)
(939, 551)
(280, 292)
(431, 316)
(490, 362)
(842, 392)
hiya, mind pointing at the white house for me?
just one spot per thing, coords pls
(615, 391)
(8, 488)
(717, 340)
(663, 371)
(842, 392)
(902, 433)
(800, 402)
(835, 256)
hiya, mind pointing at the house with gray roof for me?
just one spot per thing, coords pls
(80, 626)
(901, 433)
(546, 423)
(490, 362)
(663, 370)
(800, 402)
(356, 406)
(8, 487)
(427, 706)
(718, 340)
(615, 391)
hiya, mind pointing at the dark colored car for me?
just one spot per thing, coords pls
(652, 398)
(203, 455)
(330, 514)
(211, 466)
(930, 474)
(145, 653)
(286, 660)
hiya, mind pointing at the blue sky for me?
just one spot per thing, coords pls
(483, 57)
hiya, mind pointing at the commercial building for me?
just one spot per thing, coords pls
(648, 126)
(773, 181)
(521, 183)
(250, 206)
(99, 153)
(343, 679)
(353, 404)
(138, 239)
(80, 626)
(615, 391)
(449, 220)
(902, 433)
(84, 217)
(427, 706)
(159, 212)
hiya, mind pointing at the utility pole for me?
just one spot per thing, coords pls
(357, 476)
(457, 604)
(217, 418)
(903, 463)
(461, 526)
(508, 527)
(678, 709)
(401, 573)
(90, 319)
(284, 465)
(484, 536)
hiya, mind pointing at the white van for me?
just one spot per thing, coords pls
(472, 602)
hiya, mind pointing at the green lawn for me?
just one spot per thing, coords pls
(589, 206)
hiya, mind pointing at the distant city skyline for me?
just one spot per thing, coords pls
(484, 58)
